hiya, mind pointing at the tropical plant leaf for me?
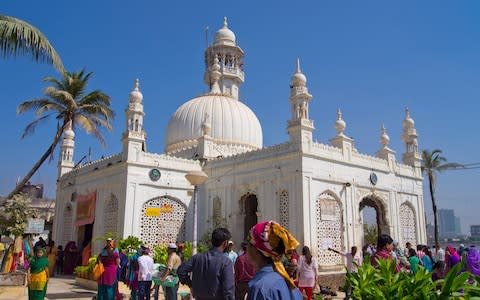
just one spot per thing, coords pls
(17, 37)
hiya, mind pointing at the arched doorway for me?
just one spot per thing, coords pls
(372, 207)
(250, 206)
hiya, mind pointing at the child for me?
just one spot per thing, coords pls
(59, 260)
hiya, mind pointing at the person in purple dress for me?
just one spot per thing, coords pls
(107, 283)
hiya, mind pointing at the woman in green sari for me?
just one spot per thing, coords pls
(38, 275)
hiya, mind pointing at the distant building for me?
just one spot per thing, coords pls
(475, 232)
(458, 226)
(45, 208)
(446, 223)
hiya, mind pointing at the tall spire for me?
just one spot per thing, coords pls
(411, 156)
(134, 135)
(65, 163)
(299, 126)
(224, 63)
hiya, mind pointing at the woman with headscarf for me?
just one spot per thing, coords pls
(38, 275)
(107, 283)
(52, 257)
(70, 258)
(132, 274)
(268, 242)
(451, 258)
(473, 261)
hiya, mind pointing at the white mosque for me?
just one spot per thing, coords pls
(315, 190)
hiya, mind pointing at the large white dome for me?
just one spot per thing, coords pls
(230, 121)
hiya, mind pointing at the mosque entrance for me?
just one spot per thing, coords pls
(373, 219)
(250, 206)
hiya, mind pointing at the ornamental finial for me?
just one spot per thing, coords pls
(225, 22)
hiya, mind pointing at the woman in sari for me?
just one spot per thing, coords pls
(38, 275)
(107, 283)
(451, 258)
(70, 258)
(52, 256)
(132, 274)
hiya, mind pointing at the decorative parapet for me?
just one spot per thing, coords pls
(81, 169)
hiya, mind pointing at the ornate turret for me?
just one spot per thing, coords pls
(385, 152)
(66, 151)
(134, 136)
(300, 127)
(410, 138)
(224, 63)
(341, 140)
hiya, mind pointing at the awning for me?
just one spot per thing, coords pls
(85, 208)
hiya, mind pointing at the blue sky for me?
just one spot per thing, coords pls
(369, 58)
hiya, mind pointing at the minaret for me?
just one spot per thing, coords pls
(385, 152)
(341, 140)
(300, 127)
(229, 57)
(134, 137)
(66, 164)
(412, 155)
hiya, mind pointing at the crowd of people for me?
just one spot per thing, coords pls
(436, 260)
(267, 266)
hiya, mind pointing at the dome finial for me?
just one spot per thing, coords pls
(225, 22)
(340, 124)
(298, 78)
(136, 95)
(384, 138)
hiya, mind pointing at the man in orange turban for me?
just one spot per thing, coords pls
(268, 243)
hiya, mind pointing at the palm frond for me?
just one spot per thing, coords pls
(30, 129)
(33, 104)
(18, 37)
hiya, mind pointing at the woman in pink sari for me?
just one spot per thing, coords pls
(451, 258)
(107, 283)
(384, 251)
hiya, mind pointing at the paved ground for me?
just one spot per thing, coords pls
(65, 288)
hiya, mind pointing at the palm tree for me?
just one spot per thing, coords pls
(71, 106)
(432, 163)
(19, 37)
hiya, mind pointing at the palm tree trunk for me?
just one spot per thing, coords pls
(434, 208)
(39, 162)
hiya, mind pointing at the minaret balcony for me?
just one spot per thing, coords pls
(234, 71)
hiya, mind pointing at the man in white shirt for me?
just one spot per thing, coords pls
(351, 257)
(145, 271)
(440, 258)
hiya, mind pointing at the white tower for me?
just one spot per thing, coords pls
(134, 137)
(412, 155)
(300, 127)
(229, 57)
(66, 164)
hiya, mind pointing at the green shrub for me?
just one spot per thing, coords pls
(130, 244)
(383, 283)
(160, 254)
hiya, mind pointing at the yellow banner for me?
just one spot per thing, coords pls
(156, 211)
(152, 211)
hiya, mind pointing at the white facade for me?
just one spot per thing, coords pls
(316, 190)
